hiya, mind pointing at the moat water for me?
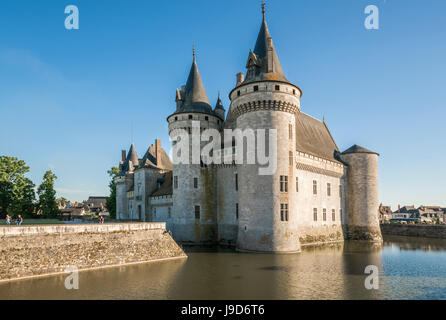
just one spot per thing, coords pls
(409, 268)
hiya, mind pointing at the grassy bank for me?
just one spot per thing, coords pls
(33, 222)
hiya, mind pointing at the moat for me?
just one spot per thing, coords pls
(410, 268)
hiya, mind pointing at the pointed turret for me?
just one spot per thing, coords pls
(263, 63)
(219, 110)
(193, 98)
(133, 156)
(131, 162)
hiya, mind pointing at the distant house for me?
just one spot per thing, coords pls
(427, 214)
(431, 213)
(96, 204)
(72, 213)
(385, 213)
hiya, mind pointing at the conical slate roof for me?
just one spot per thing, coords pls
(133, 156)
(219, 104)
(264, 57)
(131, 162)
(358, 149)
(195, 98)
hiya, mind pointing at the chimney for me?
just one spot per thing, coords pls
(123, 155)
(240, 78)
(158, 151)
(399, 208)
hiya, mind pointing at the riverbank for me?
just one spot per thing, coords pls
(31, 251)
(414, 230)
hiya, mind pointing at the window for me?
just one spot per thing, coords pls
(290, 131)
(333, 214)
(169, 212)
(190, 117)
(328, 189)
(206, 118)
(236, 211)
(297, 184)
(256, 88)
(324, 214)
(315, 214)
(175, 182)
(238, 93)
(340, 191)
(195, 183)
(294, 91)
(176, 118)
(284, 212)
(283, 183)
(290, 158)
(314, 187)
(236, 182)
(277, 88)
(197, 212)
(154, 212)
(340, 214)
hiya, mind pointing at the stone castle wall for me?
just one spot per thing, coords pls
(362, 201)
(29, 251)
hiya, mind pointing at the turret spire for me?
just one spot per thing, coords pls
(263, 62)
(194, 98)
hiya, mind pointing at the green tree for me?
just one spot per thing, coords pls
(47, 196)
(25, 202)
(6, 197)
(17, 192)
(110, 203)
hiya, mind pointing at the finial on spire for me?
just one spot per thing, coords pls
(218, 94)
(263, 8)
(193, 50)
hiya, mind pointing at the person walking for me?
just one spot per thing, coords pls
(8, 219)
(19, 220)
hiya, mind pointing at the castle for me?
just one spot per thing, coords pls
(317, 194)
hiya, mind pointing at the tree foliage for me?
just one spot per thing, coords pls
(47, 196)
(110, 203)
(17, 195)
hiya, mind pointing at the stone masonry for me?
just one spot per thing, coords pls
(29, 251)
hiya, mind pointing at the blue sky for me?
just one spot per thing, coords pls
(69, 99)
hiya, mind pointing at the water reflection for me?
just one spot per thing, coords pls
(409, 268)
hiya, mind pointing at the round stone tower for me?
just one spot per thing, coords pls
(362, 203)
(265, 99)
(193, 216)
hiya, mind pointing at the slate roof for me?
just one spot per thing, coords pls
(219, 104)
(261, 58)
(314, 137)
(149, 160)
(358, 149)
(131, 162)
(194, 97)
(166, 187)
